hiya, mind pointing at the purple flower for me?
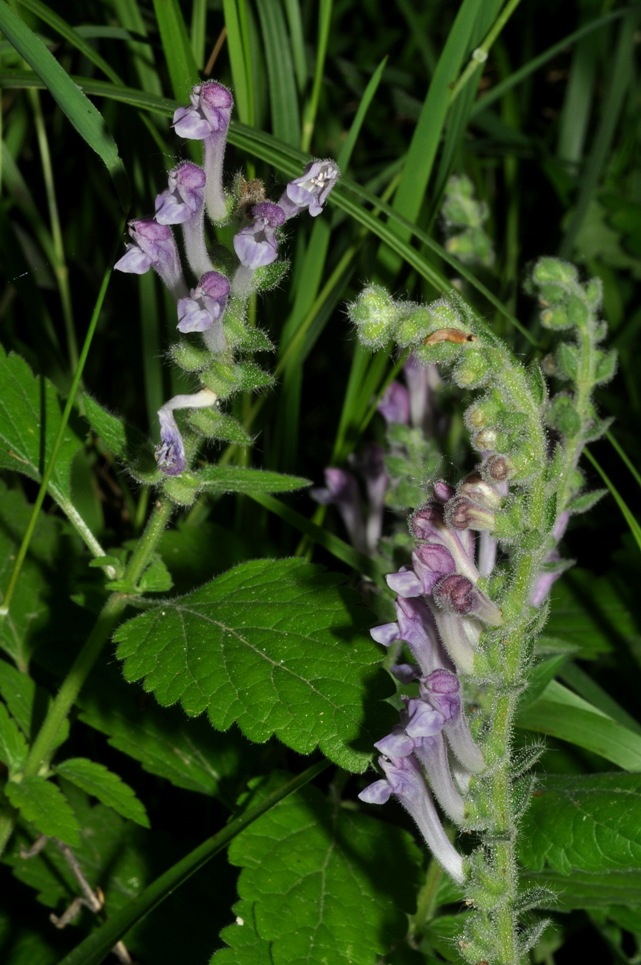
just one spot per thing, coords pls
(154, 247)
(395, 404)
(371, 465)
(405, 583)
(257, 244)
(170, 454)
(204, 308)
(405, 780)
(341, 490)
(442, 690)
(184, 197)
(431, 561)
(310, 190)
(208, 114)
(207, 120)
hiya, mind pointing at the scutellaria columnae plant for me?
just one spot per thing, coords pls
(216, 306)
(472, 600)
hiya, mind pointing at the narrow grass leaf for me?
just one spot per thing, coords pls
(79, 110)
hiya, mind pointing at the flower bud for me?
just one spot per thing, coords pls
(375, 315)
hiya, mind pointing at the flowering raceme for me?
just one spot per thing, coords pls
(193, 191)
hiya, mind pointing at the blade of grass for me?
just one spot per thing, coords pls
(311, 108)
(179, 56)
(79, 110)
(630, 519)
(240, 59)
(283, 96)
(522, 73)
(622, 79)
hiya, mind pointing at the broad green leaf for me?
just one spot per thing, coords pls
(81, 113)
(41, 576)
(118, 436)
(13, 746)
(187, 752)
(239, 479)
(560, 713)
(30, 416)
(43, 804)
(246, 946)
(95, 779)
(327, 884)
(277, 646)
(586, 824)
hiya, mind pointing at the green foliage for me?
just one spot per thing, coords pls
(30, 416)
(439, 211)
(43, 804)
(317, 882)
(246, 650)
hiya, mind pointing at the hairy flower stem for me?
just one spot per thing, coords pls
(44, 745)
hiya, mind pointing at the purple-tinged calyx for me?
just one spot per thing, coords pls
(405, 780)
(463, 513)
(184, 197)
(153, 247)
(257, 244)
(203, 309)
(457, 594)
(311, 190)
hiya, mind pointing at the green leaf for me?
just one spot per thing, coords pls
(246, 946)
(156, 578)
(586, 501)
(562, 714)
(327, 884)
(81, 113)
(591, 613)
(119, 437)
(41, 577)
(101, 783)
(43, 804)
(273, 645)
(30, 416)
(217, 425)
(18, 690)
(110, 852)
(187, 752)
(587, 824)
(240, 479)
(13, 746)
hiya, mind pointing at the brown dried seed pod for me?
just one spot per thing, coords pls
(449, 335)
